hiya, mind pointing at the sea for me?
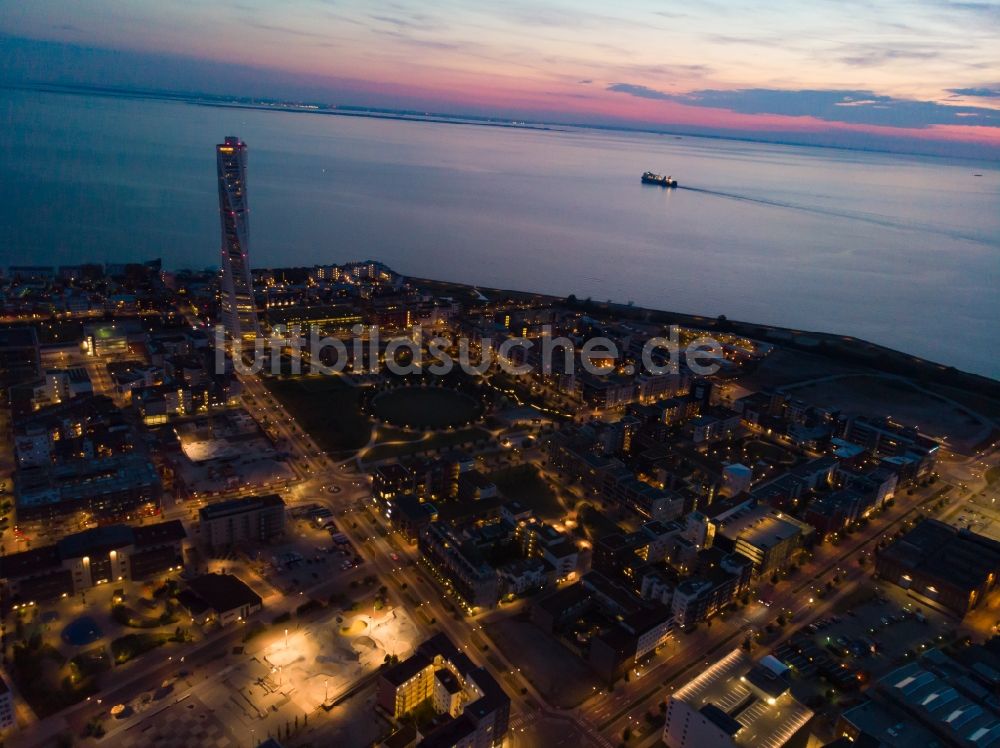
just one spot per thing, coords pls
(900, 250)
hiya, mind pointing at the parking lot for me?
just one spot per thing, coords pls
(853, 648)
(314, 550)
(980, 514)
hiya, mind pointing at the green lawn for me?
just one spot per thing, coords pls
(596, 523)
(438, 440)
(771, 453)
(46, 681)
(523, 483)
(993, 475)
(127, 647)
(327, 408)
(425, 407)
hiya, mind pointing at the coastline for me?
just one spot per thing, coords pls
(841, 348)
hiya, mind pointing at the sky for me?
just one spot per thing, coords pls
(921, 75)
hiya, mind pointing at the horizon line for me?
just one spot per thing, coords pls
(236, 101)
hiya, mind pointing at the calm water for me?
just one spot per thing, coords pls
(902, 251)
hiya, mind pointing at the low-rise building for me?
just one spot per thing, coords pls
(941, 699)
(409, 515)
(942, 566)
(224, 598)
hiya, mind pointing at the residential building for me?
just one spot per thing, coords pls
(238, 308)
(252, 519)
(463, 572)
(109, 488)
(721, 580)
(474, 708)
(102, 555)
(7, 718)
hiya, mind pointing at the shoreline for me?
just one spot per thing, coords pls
(839, 347)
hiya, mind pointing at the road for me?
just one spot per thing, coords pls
(797, 595)
(605, 713)
(601, 719)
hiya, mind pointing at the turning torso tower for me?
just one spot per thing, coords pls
(239, 316)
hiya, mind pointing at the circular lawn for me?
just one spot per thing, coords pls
(425, 407)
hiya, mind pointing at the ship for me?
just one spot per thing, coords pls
(651, 178)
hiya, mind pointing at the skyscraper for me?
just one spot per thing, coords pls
(239, 315)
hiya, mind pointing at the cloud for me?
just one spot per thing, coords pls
(990, 10)
(411, 21)
(286, 30)
(643, 92)
(984, 93)
(850, 107)
(874, 57)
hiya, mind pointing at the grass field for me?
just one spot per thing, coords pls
(596, 523)
(993, 475)
(523, 483)
(760, 450)
(327, 408)
(425, 407)
(439, 440)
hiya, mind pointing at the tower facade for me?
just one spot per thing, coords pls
(239, 315)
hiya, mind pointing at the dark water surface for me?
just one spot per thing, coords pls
(904, 251)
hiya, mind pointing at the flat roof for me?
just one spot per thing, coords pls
(90, 542)
(238, 506)
(722, 720)
(722, 686)
(945, 553)
(401, 672)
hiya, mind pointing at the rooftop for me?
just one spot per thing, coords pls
(957, 557)
(721, 694)
(223, 592)
(239, 506)
(91, 543)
